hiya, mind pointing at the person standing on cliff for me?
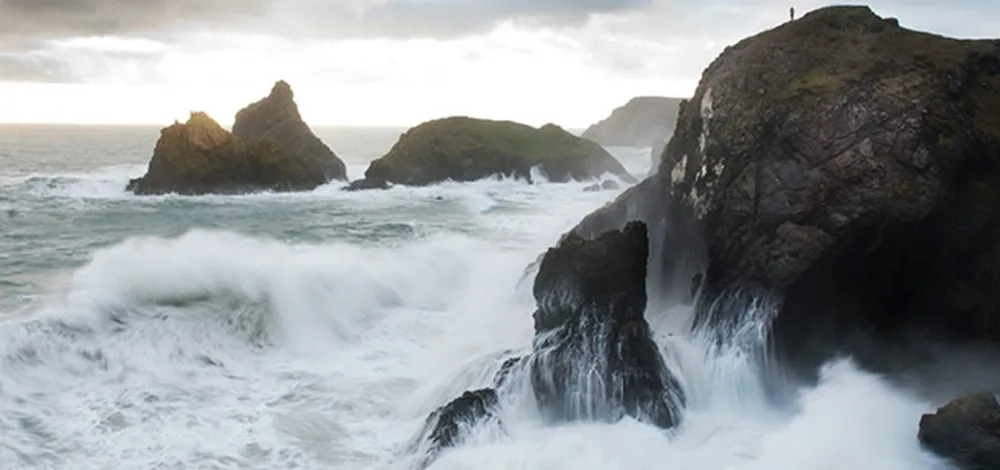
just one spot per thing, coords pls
(791, 13)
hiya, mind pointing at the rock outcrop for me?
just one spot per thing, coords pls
(642, 122)
(593, 356)
(272, 150)
(966, 430)
(847, 171)
(276, 118)
(467, 149)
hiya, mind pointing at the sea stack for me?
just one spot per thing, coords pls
(468, 149)
(270, 150)
(276, 118)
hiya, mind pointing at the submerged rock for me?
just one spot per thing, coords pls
(594, 356)
(846, 169)
(272, 150)
(641, 122)
(366, 184)
(276, 118)
(966, 430)
(606, 185)
(467, 149)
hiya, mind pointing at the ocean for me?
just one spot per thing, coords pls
(317, 330)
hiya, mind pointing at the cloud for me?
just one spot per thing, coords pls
(34, 68)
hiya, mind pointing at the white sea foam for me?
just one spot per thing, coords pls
(214, 349)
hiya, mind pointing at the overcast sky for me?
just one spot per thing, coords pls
(385, 62)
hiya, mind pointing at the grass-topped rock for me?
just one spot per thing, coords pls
(467, 149)
(271, 149)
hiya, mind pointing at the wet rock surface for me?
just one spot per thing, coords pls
(966, 430)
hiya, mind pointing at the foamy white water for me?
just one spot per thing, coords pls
(318, 330)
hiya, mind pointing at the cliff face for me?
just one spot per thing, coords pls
(467, 149)
(642, 122)
(844, 168)
(276, 118)
(270, 149)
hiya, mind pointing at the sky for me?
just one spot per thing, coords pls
(385, 62)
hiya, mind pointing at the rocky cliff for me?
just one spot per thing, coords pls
(467, 149)
(642, 122)
(276, 118)
(845, 170)
(272, 149)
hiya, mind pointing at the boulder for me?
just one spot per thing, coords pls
(846, 171)
(594, 356)
(467, 149)
(276, 118)
(966, 430)
(641, 122)
(200, 157)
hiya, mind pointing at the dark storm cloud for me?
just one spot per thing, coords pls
(45, 19)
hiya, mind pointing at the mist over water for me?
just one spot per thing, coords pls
(318, 330)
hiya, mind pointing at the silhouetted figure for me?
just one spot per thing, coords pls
(791, 13)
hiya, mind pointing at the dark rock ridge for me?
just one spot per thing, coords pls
(367, 183)
(276, 118)
(848, 171)
(272, 150)
(593, 356)
(467, 149)
(642, 122)
(966, 430)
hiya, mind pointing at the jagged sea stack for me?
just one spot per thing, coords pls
(271, 150)
(276, 118)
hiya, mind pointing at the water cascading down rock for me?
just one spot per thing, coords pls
(593, 356)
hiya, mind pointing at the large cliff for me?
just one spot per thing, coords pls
(847, 171)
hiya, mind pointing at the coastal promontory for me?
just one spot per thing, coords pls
(468, 149)
(644, 121)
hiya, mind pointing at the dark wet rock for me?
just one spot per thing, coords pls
(594, 356)
(272, 150)
(467, 149)
(503, 375)
(276, 119)
(444, 427)
(641, 122)
(606, 185)
(966, 431)
(365, 184)
(847, 171)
